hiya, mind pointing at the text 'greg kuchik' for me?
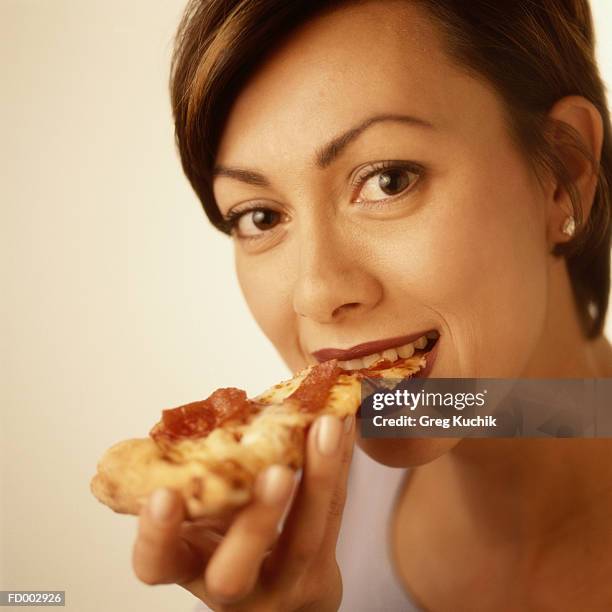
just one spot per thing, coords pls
(428, 421)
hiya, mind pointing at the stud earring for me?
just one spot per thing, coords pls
(569, 226)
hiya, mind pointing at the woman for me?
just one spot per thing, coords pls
(387, 168)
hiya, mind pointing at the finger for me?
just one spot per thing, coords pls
(205, 533)
(231, 573)
(305, 527)
(219, 524)
(160, 555)
(336, 507)
(204, 538)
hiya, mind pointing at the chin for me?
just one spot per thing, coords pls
(406, 452)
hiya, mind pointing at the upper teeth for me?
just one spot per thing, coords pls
(405, 351)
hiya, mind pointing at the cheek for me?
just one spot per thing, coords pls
(497, 274)
(270, 303)
(476, 259)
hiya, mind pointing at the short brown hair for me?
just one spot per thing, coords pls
(533, 52)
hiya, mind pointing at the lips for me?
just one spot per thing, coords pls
(367, 348)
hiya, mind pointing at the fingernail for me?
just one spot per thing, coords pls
(348, 423)
(161, 504)
(329, 433)
(274, 485)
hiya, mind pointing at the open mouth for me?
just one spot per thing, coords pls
(423, 351)
(395, 356)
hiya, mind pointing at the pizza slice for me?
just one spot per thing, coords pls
(211, 451)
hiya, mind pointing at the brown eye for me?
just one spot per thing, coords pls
(265, 219)
(387, 183)
(253, 223)
(393, 182)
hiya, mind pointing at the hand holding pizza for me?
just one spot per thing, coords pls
(253, 567)
(229, 461)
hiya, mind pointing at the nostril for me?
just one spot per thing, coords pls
(345, 307)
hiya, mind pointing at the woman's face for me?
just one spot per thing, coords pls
(391, 200)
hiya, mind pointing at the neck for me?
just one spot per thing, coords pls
(527, 491)
(534, 513)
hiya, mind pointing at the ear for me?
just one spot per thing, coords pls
(584, 118)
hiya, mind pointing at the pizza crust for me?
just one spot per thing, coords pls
(131, 470)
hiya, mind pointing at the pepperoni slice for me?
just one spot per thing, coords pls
(198, 419)
(312, 393)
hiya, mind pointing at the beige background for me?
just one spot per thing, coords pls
(118, 299)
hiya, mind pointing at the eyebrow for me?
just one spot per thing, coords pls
(328, 153)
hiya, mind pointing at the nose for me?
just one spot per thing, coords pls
(333, 280)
